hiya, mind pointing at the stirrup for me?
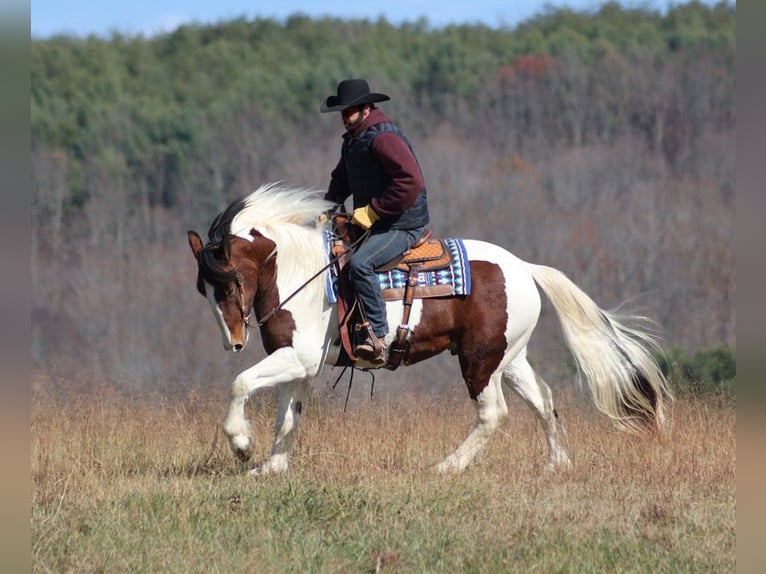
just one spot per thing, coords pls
(371, 349)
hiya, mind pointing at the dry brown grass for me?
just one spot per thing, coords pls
(123, 484)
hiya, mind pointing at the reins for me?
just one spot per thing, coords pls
(270, 314)
(351, 380)
(332, 262)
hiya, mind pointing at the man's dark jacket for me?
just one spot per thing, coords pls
(378, 167)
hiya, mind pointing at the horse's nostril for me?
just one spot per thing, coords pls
(237, 348)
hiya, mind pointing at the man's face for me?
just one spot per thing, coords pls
(353, 117)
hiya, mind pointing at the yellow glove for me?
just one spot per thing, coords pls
(365, 216)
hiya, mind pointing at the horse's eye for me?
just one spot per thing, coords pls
(230, 291)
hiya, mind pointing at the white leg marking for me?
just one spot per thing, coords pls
(490, 410)
(292, 401)
(282, 366)
(537, 395)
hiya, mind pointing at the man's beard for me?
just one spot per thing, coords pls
(350, 127)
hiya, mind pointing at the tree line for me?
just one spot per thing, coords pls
(601, 142)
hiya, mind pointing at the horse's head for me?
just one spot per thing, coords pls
(227, 275)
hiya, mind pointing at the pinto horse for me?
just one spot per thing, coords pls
(266, 257)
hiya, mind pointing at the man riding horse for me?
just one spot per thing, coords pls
(378, 168)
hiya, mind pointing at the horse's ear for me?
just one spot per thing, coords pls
(195, 242)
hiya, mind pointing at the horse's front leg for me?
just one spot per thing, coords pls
(292, 401)
(282, 366)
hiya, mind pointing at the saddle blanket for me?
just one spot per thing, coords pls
(452, 280)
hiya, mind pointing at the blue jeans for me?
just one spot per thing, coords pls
(379, 248)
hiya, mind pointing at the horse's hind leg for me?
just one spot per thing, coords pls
(523, 380)
(490, 410)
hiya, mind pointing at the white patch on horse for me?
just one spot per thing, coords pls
(244, 235)
(522, 298)
(218, 314)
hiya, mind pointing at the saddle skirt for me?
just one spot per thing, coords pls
(443, 271)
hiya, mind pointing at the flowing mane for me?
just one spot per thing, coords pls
(269, 207)
(289, 217)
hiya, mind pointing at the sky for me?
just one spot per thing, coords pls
(149, 17)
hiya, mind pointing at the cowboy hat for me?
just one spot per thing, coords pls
(353, 92)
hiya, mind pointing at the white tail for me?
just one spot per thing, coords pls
(613, 358)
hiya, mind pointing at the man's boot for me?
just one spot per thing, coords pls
(371, 348)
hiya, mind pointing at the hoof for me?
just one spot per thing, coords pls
(556, 467)
(242, 448)
(243, 455)
(264, 470)
(277, 464)
(447, 468)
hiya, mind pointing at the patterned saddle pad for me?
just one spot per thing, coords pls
(451, 280)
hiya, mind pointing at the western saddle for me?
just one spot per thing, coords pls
(426, 254)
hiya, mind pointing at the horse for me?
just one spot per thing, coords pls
(267, 256)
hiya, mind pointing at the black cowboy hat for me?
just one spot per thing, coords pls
(353, 92)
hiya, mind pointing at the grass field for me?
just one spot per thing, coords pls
(139, 485)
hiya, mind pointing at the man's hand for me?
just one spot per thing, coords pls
(328, 215)
(365, 216)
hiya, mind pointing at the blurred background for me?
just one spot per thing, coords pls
(596, 138)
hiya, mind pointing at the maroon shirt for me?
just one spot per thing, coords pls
(397, 160)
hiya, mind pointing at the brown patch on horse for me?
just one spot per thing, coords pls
(261, 268)
(258, 270)
(472, 327)
(278, 331)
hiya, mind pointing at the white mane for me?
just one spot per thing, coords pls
(290, 218)
(274, 205)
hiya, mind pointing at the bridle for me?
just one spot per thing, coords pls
(240, 279)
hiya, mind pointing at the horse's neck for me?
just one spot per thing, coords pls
(298, 273)
(299, 262)
(267, 296)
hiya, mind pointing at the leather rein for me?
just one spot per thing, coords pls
(241, 285)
